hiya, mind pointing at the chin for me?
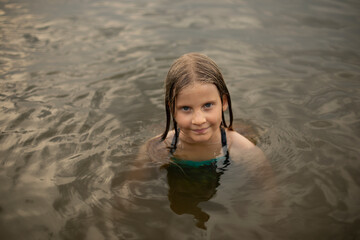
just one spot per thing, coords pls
(201, 138)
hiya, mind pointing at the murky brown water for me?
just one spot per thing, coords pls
(81, 91)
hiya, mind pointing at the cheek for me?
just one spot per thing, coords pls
(181, 119)
(215, 117)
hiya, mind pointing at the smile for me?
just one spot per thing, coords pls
(200, 131)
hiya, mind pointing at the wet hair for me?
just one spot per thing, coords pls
(190, 68)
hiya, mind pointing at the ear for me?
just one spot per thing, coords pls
(224, 102)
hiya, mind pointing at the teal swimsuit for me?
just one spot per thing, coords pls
(220, 161)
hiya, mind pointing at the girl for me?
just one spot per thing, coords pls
(196, 98)
(198, 149)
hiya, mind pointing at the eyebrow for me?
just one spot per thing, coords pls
(186, 105)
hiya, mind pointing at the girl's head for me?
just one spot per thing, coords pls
(186, 70)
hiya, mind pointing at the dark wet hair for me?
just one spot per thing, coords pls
(189, 68)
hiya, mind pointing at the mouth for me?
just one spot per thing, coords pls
(200, 131)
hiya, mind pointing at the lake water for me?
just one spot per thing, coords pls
(81, 91)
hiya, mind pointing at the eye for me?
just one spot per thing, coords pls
(185, 108)
(208, 105)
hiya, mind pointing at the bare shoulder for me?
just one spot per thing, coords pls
(155, 149)
(157, 143)
(243, 150)
(251, 157)
(238, 141)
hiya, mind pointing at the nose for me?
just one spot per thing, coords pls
(198, 118)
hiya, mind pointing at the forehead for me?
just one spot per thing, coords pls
(198, 91)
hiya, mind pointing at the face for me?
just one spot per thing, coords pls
(198, 112)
